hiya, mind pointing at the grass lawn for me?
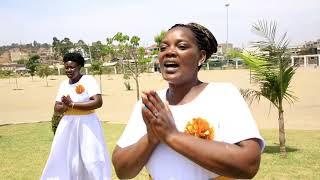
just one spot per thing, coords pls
(24, 149)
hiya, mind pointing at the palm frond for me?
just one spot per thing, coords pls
(283, 42)
(287, 76)
(250, 95)
(265, 30)
(271, 68)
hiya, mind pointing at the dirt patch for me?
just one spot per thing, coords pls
(35, 101)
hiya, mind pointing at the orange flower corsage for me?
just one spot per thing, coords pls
(199, 127)
(80, 89)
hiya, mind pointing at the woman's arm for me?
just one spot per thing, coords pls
(129, 161)
(239, 160)
(94, 102)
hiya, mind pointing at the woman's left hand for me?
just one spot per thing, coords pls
(163, 125)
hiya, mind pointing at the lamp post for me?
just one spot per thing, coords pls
(227, 5)
(90, 53)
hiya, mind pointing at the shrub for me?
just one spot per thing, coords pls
(56, 117)
(127, 84)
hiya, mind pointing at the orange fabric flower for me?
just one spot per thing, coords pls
(80, 89)
(199, 127)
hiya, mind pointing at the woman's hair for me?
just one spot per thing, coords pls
(204, 38)
(75, 57)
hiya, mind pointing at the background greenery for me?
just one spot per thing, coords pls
(24, 149)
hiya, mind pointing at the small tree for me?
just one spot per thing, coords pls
(16, 76)
(97, 68)
(8, 74)
(271, 71)
(109, 49)
(134, 43)
(32, 64)
(44, 71)
(130, 56)
(137, 54)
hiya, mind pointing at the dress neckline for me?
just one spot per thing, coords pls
(77, 81)
(203, 91)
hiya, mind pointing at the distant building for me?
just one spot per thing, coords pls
(150, 49)
(12, 67)
(5, 58)
(17, 54)
(295, 50)
(45, 53)
(312, 44)
(222, 48)
(307, 55)
(311, 60)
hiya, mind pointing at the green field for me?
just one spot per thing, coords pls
(24, 149)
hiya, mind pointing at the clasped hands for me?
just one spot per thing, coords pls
(157, 117)
(66, 102)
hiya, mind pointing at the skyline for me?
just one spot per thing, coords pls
(25, 21)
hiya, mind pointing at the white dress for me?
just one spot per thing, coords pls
(221, 105)
(78, 149)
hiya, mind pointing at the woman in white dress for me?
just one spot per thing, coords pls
(192, 130)
(78, 149)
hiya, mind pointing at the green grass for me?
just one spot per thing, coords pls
(24, 149)
(303, 157)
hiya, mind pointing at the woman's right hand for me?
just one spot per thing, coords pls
(148, 116)
(60, 107)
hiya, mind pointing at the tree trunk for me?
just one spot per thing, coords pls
(100, 84)
(136, 74)
(250, 75)
(282, 135)
(16, 82)
(47, 80)
(138, 89)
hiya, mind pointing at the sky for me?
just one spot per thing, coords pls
(23, 21)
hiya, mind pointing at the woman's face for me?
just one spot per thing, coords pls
(180, 56)
(72, 69)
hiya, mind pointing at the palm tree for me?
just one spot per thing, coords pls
(272, 72)
(158, 38)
